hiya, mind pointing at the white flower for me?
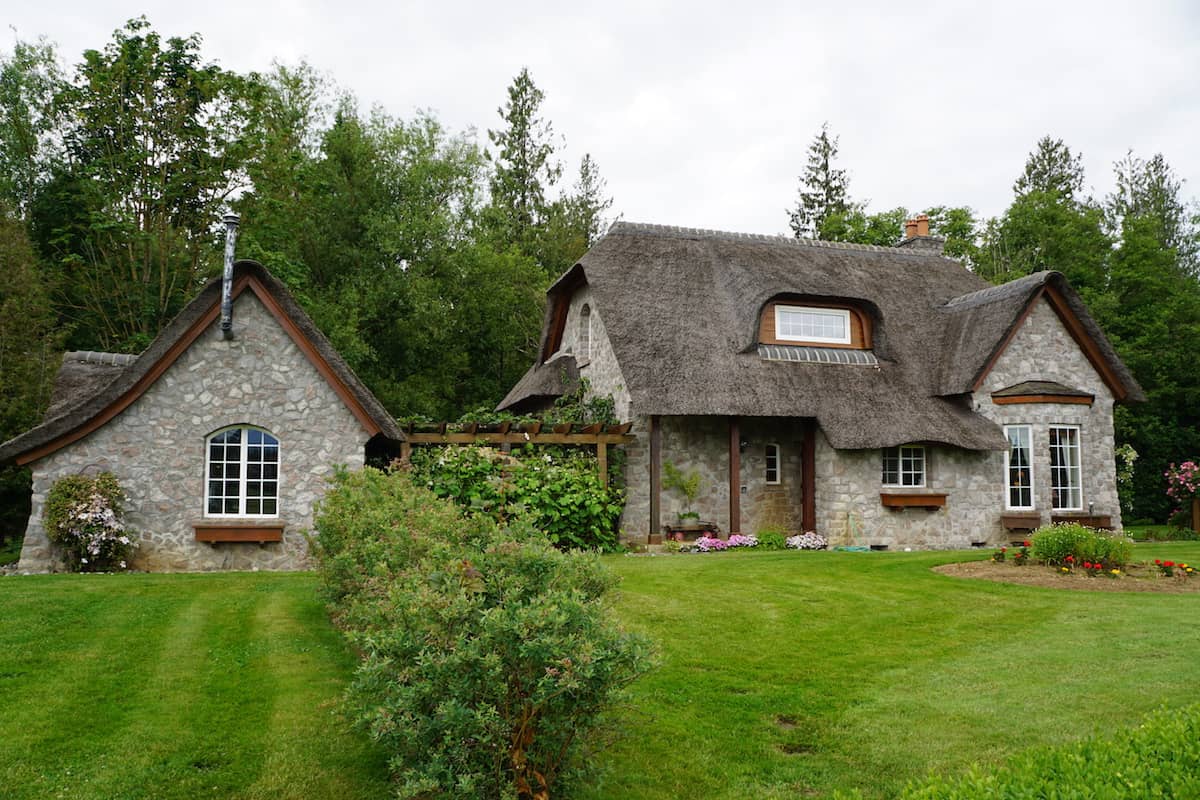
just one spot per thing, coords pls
(83, 561)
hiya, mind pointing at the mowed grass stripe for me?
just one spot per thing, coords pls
(173, 686)
(93, 653)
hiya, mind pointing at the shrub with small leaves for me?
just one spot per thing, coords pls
(83, 516)
(771, 539)
(488, 656)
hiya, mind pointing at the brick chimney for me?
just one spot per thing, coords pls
(916, 236)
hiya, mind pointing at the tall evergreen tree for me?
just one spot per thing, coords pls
(525, 168)
(1052, 168)
(823, 188)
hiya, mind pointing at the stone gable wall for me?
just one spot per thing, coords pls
(599, 365)
(156, 447)
(1043, 350)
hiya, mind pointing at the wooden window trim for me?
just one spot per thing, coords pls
(860, 325)
(1059, 399)
(258, 533)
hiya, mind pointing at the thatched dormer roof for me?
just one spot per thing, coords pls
(91, 388)
(681, 308)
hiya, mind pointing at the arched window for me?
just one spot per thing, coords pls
(772, 464)
(242, 473)
(584, 348)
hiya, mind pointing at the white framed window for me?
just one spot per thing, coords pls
(904, 466)
(809, 324)
(1066, 469)
(1018, 467)
(583, 347)
(241, 473)
(771, 472)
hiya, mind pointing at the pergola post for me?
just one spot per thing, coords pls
(735, 476)
(655, 474)
(808, 476)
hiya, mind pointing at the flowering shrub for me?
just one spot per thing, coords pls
(1055, 544)
(83, 516)
(709, 544)
(1021, 557)
(1182, 481)
(743, 540)
(810, 540)
(1170, 569)
(1000, 555)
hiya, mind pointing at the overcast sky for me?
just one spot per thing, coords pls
(700, 113)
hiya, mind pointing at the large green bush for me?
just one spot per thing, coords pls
(1158, 759)
(488, 656)
(1052, 544)
(559, 492)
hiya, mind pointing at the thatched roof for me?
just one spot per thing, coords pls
(91, 387)
(681, 308)
(542, 384)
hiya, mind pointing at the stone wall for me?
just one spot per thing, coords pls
(701, 444)
(599, 364)
(1043, 350)
(156, 447)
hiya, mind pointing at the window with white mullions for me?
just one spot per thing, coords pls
(904, 466)
(807, 324)
(1066, 469)
(242, 474)
(772, 463)
(1018, 466)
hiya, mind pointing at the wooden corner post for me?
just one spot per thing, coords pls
(655, 474)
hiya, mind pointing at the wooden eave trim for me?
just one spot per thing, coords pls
(1074, 326)
(561, 298)
(1062, 399)
(181, 345)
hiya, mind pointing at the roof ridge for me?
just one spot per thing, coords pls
(624, 227)
(998, 291)
(98, 357)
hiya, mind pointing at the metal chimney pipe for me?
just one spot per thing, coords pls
(231, 226)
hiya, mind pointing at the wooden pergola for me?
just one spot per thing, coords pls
(506, 434)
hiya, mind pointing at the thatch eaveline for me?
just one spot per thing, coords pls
(823, 385)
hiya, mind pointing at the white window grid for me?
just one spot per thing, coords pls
(904, 466)
(1066, 469)
(584, 346)
(241, 474)
(771, 471)
(808, 324)
(1018, 468)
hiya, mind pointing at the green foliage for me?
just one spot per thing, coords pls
(1053, 544)
(488, 656)
(83, 516)
(771, 539)
(155, 143)
(30, 78)
(1159, 758)
(688, 483)
(823, 188)
(557, 492)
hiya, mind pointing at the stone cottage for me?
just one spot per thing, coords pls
(222, 441)
(882, 396)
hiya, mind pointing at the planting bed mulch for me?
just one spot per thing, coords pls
(1137, 578)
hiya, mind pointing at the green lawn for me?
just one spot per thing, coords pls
(175, 686)
(879, 669)
(139, 686)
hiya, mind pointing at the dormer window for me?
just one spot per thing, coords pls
(810, 324)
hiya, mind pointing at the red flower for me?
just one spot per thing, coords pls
(1087, 565)
(1024, 544)
(1070, 559)
(1158, 562)
(1003, 549)
(1168, 563)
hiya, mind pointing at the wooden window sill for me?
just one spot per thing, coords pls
(1021, 521)
(254, 532)
(930, 501)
